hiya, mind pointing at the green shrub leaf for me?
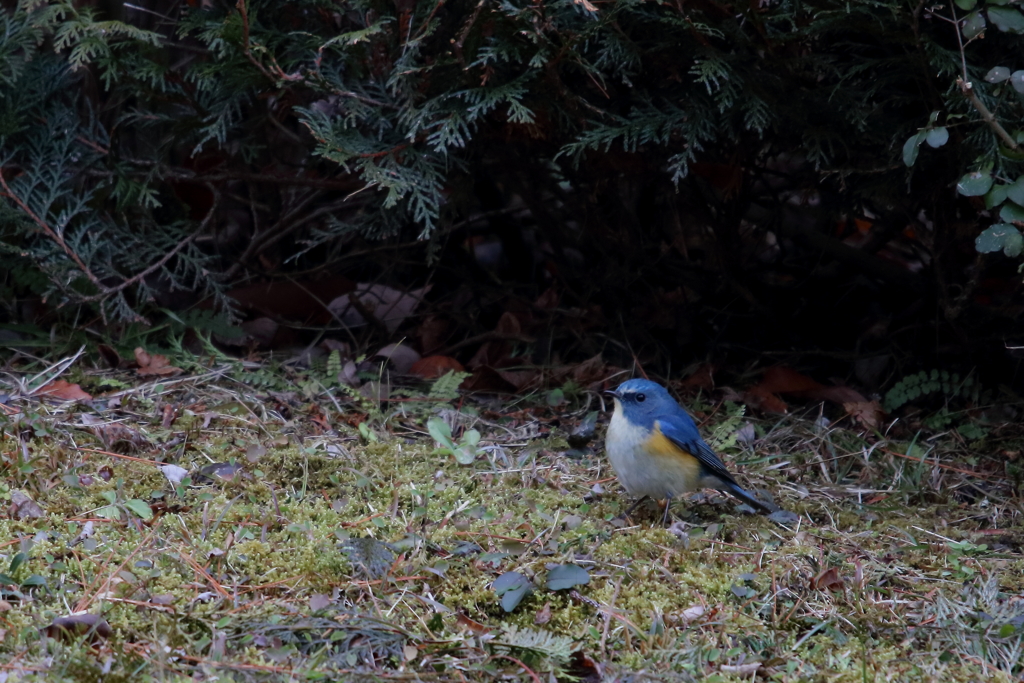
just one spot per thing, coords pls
(566, 576)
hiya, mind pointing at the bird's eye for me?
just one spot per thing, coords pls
(640, 398)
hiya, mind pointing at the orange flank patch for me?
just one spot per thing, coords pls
(672, 456)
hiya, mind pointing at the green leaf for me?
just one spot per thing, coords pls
(109, 512)
(1007, 630)
(1016, 191)
(997, 74)
(566, 576)
(511, 587)
(139, 507)
(995, 196)
(471, 437)
(937, 137)
(464, 455)
(441, 432)
(1011, 213)
(974, 184)
(33, 581)
(1000, 236)
(1017, 81)
(16, 561)
(1014, 244)
(973, 25)
(911, 146)
(1007, 19)
(966, 5)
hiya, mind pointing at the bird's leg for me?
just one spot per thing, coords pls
(634, 506)
(668, 506)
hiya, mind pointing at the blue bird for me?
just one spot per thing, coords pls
(657, 452)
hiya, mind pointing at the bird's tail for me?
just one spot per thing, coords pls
(749, 498)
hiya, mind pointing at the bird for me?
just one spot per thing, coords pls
(657, 452)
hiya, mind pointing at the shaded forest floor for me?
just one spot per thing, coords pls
(243, 522)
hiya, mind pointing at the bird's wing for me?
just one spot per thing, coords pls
(683, 433)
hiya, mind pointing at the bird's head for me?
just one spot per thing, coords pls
(643, 401)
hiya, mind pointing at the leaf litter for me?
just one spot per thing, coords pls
(351, 547)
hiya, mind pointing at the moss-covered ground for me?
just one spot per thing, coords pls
(344, 545)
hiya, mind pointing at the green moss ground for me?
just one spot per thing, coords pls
(267, 578)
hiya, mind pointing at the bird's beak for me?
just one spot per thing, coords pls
(612, 392)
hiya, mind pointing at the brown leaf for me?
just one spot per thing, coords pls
(868, 413)
(548, 300)
(509, 324)
(838, 395)
(522, 379)
(544, 615)
(23, 507)
(827, 580)
(110, 355)
(170, 414)
(293, 300)
(591, 373)
(759, 399)
(702, 378)
(154, 364)
(62, 391)
(433, 332)
(782, 380)
(77, 625)
(262, 330)
(401, 356)
(486, 379)
(389, 306)
(319, 601)
(433, 367)
(474, 626)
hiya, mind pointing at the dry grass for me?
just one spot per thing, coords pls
(341, 552)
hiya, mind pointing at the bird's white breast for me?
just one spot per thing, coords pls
(640, 472)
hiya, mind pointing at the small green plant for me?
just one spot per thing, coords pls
(446, 387)
(11, 587)
(120, 509)
(726, 432)
(912, 387)
(465, 451)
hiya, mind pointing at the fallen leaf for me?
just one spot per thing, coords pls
(867, 413)
(389, 306)
(174, 473)
(293, 300)
(433, 367)
(592, 372)
(837, 394)
(474, 626)
(110, 355)
(154, 364)
(758, 399)
(548, 300)
(170, 414)
(401, 356)
(433, 332)
(782, 380)
(687, 616)
(828, 579)
(78, 625)
(702, 378)
(486, 380)
(741, 670)
(62, 391)
(23, 507)
(544, 615)
(319, 601)
(260, 330)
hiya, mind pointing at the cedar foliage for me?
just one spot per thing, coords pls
(192, 146)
